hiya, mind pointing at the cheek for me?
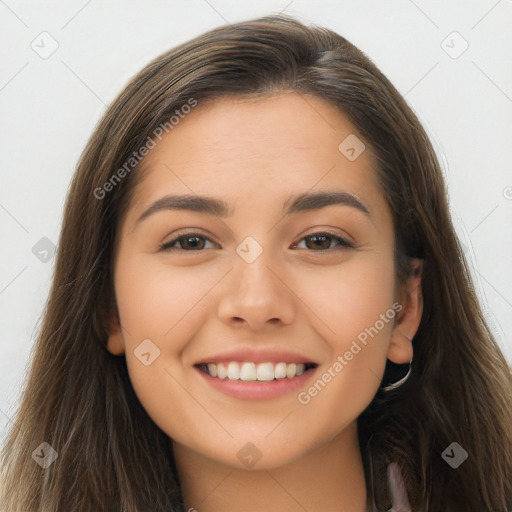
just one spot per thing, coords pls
(351, 297)
(354, 307)
(161, 308)
(155, 299)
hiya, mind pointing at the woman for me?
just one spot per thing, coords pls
(255, 242)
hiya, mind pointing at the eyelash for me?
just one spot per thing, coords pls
(343, 244)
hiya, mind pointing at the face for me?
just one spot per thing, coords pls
(265, 277)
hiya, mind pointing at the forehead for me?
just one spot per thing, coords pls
(266, 148)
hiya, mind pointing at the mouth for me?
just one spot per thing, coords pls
(255, 372)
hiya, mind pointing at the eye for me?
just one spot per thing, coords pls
(196, 242)
(188, 242)
(323, 241)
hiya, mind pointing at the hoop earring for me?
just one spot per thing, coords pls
(400, 382)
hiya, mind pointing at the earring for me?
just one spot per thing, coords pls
(401, 381)
(398, 383)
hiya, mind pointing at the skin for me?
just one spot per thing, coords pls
(313, 298)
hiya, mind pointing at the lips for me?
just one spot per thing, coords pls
(257, 390)
(256, 374)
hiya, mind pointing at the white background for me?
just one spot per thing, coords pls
(50, 106)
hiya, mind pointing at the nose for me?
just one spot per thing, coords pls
(258, 295)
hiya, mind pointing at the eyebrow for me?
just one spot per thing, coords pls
(294, 204)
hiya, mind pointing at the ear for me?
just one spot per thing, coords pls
(408, 320)
(115, 342)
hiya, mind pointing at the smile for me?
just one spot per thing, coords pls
(249, 371)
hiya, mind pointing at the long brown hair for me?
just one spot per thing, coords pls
(78, 397)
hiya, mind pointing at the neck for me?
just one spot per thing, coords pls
(328, 479)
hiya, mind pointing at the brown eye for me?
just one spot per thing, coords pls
(187, 242)
(322, 242)
(191, 242)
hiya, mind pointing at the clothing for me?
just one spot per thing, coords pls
(399, 500)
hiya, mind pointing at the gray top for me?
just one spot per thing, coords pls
(396, 487)
(399, 500)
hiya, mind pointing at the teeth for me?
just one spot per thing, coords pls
(262, 372)
(265, 371)
(280, 371)
(221, 371)
(212, 370)
(248, 371)
(233, 371)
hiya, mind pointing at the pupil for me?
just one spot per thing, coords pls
(323, 238)
(188, 239)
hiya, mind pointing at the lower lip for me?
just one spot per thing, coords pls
(256, 390)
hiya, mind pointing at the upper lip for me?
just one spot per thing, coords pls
(259, 355)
